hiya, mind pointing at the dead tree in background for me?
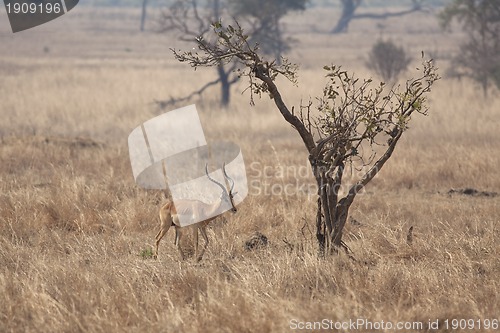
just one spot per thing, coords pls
(353, 126)
(349, 8)
(191, 23)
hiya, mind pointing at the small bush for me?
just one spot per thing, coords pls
(146, 253)
(388, 60)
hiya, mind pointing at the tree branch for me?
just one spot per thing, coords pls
(164, 103)
(386, 15)
(262, 73)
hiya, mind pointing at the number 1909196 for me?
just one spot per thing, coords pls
(471, 324)
(33, 8)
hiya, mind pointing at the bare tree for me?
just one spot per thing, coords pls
(191, 23)
(349, 8)
(353, 126)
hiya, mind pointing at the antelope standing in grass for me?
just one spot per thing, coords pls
(195, 210)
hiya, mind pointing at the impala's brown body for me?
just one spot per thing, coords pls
(195, 209)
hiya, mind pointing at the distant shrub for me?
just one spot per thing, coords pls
(388, 60)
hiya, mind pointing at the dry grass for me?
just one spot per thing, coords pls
(75, 230)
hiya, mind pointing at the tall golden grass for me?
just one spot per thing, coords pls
(75, 230)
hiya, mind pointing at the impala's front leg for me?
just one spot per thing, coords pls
(203, 232)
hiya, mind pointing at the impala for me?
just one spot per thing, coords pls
(195, 210)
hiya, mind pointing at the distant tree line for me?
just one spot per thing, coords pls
(478, 57)
(311, 3)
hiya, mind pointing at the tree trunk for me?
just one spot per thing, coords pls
(330, 222)
(216, 9)
(340, 220)
(331, 214)
(348, 9)
(143, 14)
(320, 230)
(224, 85)
(278, 52)
(484, 85)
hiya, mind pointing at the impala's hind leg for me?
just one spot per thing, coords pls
(195, 237)
(203, 232)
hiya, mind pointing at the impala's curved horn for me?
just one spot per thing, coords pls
(213, 180)
(227, 177)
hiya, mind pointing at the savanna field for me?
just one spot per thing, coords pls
(76, 233)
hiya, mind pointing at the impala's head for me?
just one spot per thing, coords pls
(227, 198)
(227, 195)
